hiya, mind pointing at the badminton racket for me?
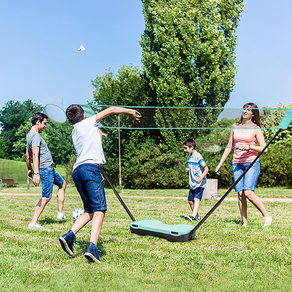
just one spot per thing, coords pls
(55, 113)
(212, 147)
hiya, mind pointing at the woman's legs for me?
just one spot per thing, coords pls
(256, 201)
(242, 207)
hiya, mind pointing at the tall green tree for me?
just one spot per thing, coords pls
(188, 54)
(12, 116)
(129, 87)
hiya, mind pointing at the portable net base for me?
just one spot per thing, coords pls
(173, 233)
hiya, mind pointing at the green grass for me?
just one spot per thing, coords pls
(224, 256)
(18, 171)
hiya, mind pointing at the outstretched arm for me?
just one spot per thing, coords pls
(117, 110)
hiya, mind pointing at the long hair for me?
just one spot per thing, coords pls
(256, 114)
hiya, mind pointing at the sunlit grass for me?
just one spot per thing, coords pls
(224, 256)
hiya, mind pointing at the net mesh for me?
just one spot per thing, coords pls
(190, 118)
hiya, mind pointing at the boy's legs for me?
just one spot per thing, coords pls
(196, 208)
(191, 203)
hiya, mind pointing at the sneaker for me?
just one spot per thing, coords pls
(93, 253)
(268, 222)
(188, 217)
(34, 225)
(67, 241)
(61, 216)
(196, 218)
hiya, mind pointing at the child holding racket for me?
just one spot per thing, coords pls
(43, 169)
(243, 136)
(86, 174)
(197, 170)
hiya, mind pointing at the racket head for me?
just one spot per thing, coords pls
(55, 113)
(209, 147)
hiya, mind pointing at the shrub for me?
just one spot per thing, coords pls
(155, 168)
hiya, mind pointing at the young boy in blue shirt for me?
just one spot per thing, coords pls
(86, 138)
(197, 170)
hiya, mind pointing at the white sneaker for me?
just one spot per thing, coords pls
(34, 225)
(61, 216)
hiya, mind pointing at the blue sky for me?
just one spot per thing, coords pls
(40, 58)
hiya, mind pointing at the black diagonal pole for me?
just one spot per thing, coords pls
(116, 193)
(232, 186)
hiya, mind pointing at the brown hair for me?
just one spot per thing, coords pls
(75, 113)
(190, 143)
(256, 114)
(38, 117)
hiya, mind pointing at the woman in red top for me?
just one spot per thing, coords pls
(244, 135)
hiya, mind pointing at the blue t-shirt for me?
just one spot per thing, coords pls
(196, 165)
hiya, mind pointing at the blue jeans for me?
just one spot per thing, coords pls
(88, 180)
(249, 180)
(49, 177)
(196, 193)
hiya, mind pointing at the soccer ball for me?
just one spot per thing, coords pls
(76, 213)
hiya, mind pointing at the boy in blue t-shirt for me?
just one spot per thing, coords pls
(197, 170)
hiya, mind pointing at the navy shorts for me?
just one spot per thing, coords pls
(49, 177)
(88, 180)
(249, 180)
(197, 193)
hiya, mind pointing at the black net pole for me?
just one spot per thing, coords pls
(116, 193)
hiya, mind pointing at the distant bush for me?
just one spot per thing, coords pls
(276, 167)
(155, 168)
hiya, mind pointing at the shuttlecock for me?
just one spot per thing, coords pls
(81, 48)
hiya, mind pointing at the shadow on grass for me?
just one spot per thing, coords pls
(48, 221)
(236, 221)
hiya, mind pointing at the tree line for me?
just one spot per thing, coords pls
(188, 56)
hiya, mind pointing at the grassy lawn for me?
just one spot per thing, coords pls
(17, 170)
(224, 256)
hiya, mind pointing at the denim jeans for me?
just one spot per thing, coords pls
(49, 177)
(249, 180)
(88, 180)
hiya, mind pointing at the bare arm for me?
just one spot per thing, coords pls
(35, 163)
(226, 151)
(206, 170)
(117, 110)
(28, 163)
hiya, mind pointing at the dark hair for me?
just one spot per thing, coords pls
(190, 143)
(38, 117)
(256, 114)
(75, 113)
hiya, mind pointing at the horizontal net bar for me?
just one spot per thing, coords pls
(188, 118)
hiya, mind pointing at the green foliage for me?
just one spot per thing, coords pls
(12, 116)
(154, 168)
(188, 55)
(276, 166)
(128, 87)
(272, 119)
